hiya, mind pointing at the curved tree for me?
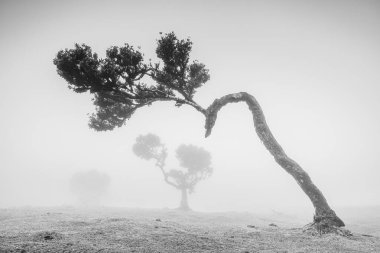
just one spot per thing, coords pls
(117, 84)
(195, 163)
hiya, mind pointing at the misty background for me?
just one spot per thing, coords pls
(312, 65)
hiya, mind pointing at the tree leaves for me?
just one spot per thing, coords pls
(193, 158)
(176, 72)
(195, 161)
(110, 113)
(148, 147)
(79, 67)
(174, 53)
(117, 80)
(197, 76)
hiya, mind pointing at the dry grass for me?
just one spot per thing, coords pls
(134, 230)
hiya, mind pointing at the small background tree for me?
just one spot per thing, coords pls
(194, 161)
(89, 186)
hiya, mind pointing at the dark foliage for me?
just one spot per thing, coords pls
(117, 80)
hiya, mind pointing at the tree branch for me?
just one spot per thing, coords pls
(166, 176)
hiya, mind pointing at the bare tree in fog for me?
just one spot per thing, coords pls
(195, 163)
(116, 82)
(89, 186)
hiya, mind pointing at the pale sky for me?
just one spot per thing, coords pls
(312, 65)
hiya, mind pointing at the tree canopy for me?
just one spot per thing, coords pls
(195, 162)
(116, 81)
(193, 158)
(150, 147)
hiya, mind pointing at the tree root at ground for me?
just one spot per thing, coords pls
(325, 227)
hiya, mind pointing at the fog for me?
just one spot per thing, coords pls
(312, 65)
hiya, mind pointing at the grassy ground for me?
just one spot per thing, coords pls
(135, 230)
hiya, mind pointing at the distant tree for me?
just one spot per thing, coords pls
(119, 90)
(195, 163)
(89, 186)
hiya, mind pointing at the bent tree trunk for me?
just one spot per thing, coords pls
(184, 203)
(325, 218)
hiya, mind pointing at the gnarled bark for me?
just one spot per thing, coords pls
(324, 217)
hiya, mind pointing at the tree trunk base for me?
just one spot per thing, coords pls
(327, 223)
(328, 217)
(183, 208)
(316, 229)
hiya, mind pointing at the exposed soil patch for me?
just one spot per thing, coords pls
(47, 236)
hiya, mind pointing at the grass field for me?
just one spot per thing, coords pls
(67, 229)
